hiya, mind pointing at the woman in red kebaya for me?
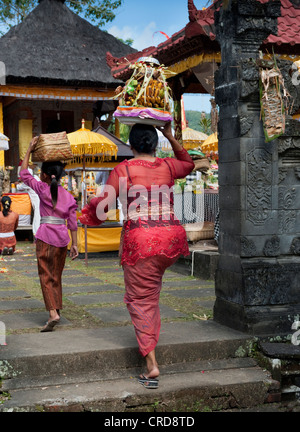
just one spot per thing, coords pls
(152, 238)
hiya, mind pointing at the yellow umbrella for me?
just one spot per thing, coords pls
(192, 138)
(87, 144)
(211, 143)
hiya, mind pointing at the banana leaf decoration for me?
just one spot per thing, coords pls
(273, 99)
(147, 86)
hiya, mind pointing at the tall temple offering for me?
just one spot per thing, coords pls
(146, 96)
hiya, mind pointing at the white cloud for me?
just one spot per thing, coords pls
(142, 37)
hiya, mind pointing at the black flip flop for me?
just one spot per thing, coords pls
(149, 383)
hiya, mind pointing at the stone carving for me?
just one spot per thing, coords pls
(292, 127)
(248, 248)
(259, 186)
(282, 173)
(268, 284)
(288, 143)
(295, 246)
(272, 247)
(249, 70)
(287, 221)
(249, 78)
(261, 25)
(256, 21)
(286, 197)
(249, 88)
(297, 172)
(246, 123)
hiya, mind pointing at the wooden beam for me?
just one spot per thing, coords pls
(56, 93)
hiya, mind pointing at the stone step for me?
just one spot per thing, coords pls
(201, 363)
(116, 374)
(40, 354)
(209, 389)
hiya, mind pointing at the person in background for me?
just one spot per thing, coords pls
(52, 238)
(35, 202)
(8, 224)
(152, 238)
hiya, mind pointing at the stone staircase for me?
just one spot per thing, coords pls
(204, 367)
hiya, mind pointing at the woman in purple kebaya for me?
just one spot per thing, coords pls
(57, 206)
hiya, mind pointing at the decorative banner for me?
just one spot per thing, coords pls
(25, 136)
(274, 99)
(163, 33)
(183, 116)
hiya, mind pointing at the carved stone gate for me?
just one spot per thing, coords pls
(258, 275)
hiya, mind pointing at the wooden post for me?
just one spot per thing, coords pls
(84, 203)
(117, 128)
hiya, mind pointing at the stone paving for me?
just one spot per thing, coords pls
(92, 294)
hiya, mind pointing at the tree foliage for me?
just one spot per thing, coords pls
(199, 121)
(13, 12)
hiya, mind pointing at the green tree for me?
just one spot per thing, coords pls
(193, 118)
(205, 124)
(199, 121)
(124, 130)
(127, 41)
(12, 12)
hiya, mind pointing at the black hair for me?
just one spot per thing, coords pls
(6, 203)
(143, 138)
(55, 171)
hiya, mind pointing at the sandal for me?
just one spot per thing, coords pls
(49, 326)
(149, 383)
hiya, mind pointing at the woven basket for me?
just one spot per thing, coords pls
(199, 231)
(52, 147)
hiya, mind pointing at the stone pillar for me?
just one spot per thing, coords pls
(258, 275)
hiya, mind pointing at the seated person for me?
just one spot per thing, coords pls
(8, 224)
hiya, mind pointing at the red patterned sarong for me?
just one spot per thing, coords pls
(51, 261)
(143, 283)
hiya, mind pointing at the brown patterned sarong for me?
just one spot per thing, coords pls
(51, 261)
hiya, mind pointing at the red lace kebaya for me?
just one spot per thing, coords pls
(143, 187)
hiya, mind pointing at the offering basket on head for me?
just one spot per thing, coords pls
(146, 96)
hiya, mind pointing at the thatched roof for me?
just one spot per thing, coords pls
(55, 46)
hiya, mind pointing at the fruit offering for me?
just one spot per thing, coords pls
(146, 94)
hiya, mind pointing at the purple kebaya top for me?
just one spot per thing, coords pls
(55, 235)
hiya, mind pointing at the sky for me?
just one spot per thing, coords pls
(142, 20)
